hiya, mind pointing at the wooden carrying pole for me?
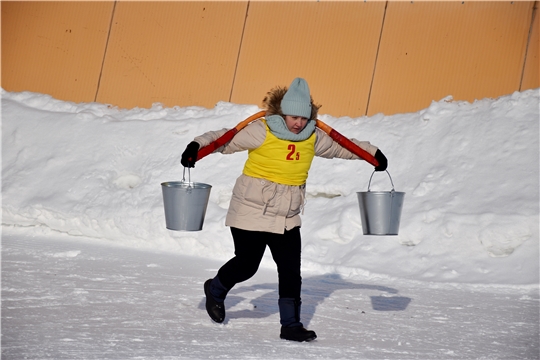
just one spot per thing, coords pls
(336, 136)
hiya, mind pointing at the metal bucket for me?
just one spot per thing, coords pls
(380, 211)
(185, 204)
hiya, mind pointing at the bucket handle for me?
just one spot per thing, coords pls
(189, 177)
(369, 185)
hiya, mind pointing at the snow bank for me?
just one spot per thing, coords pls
(470, 172)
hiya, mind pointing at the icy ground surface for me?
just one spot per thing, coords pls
(67, 298)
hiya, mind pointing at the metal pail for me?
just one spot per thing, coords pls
(185, 204)
(380, 211)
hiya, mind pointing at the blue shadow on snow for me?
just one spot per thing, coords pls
(314, 291)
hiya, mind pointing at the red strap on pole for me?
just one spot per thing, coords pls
(347, 144)
(225, 138)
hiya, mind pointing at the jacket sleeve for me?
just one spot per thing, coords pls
(250, 137)
(327, 148)
(206, 138)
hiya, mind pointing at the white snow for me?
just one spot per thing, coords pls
(90, 271)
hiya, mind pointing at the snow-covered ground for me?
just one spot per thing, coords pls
(80, 299)
(90, 271)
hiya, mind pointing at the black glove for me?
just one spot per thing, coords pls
(189, 156)
(383, 163)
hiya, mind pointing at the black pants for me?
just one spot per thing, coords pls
(249, 247)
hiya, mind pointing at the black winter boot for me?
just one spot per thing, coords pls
(297, 333)
(215, 309)
(291, 327)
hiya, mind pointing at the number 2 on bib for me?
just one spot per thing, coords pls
(293, 155)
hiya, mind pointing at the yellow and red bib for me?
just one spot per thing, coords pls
(281, 161)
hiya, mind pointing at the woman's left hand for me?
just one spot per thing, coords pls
(383, 162)
(189, 156)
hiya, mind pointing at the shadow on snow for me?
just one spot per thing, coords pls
(314, 292)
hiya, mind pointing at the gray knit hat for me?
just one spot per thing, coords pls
(297, 101)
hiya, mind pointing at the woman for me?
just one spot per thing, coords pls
(269, 195)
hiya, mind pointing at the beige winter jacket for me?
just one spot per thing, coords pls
(262, 205)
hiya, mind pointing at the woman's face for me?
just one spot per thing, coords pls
(295, 124)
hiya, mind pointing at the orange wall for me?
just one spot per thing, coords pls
(532, 62)
(332, 45)
(358, 57)
(471, 51)
(176, 53)
(54, 48)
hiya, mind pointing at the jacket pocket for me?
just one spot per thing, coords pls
(298, 195)
(254, 191)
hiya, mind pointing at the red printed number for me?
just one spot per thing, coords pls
(291, 154)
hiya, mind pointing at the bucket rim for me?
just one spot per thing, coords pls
(381, 192)
(173, 184)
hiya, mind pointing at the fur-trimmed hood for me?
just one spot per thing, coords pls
(272, 103)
